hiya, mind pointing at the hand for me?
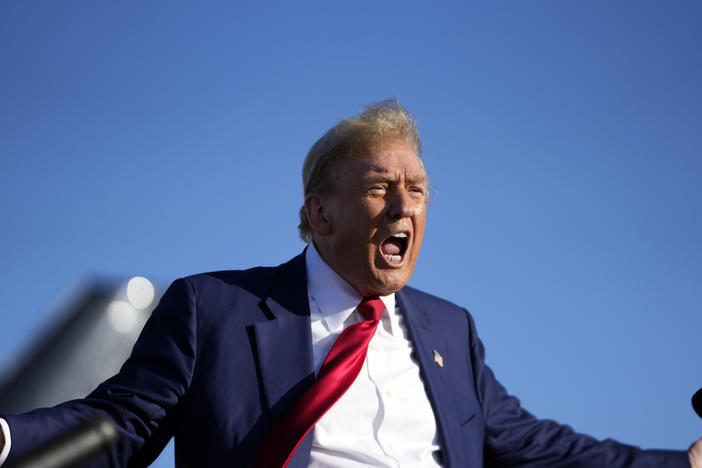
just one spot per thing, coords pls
(695, 454)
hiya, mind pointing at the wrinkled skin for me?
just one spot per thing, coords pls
(375, 197)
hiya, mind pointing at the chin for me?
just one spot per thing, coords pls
(388, 284)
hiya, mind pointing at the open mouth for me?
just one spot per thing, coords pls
(394, 247)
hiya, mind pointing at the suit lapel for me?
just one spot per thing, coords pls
(284, 343)
(429, 347)
(286, 362)
(284, 346)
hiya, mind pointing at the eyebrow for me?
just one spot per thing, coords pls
(375, 176)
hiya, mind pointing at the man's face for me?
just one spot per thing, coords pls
(375, 219)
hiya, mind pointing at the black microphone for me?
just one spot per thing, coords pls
(71, 448)
(697, 402)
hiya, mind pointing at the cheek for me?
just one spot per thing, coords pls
(373, 207)
(419, 222)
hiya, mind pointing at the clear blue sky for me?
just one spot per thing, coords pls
(564, 140)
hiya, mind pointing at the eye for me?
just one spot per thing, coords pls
(377, 189)
(417, 192)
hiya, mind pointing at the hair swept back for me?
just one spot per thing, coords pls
(354, 137)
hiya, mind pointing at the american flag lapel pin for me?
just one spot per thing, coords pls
(438, 359)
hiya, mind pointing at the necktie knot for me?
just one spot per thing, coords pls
(371, 308)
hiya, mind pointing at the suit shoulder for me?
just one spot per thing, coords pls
(422, 297)
(257, 274)
(256, 281)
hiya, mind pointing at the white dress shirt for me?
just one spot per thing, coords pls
(384, 419)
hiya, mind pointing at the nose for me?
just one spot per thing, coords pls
(401, 205)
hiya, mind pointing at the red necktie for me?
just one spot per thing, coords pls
(339, 370)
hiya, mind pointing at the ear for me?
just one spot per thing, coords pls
(316, 215)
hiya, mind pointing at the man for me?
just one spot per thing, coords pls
(228, 355)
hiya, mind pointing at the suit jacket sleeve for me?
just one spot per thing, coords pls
(142, 399)
(514, 437)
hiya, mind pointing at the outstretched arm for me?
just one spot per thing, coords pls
(141, 399)
(514, 437)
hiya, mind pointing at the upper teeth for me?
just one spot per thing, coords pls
(400, 234)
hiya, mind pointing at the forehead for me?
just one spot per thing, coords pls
(393, 159)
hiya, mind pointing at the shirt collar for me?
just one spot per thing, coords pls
(335, 298)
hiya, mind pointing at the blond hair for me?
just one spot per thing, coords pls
(354, 137)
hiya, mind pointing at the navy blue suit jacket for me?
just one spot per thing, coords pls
(226, 353)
